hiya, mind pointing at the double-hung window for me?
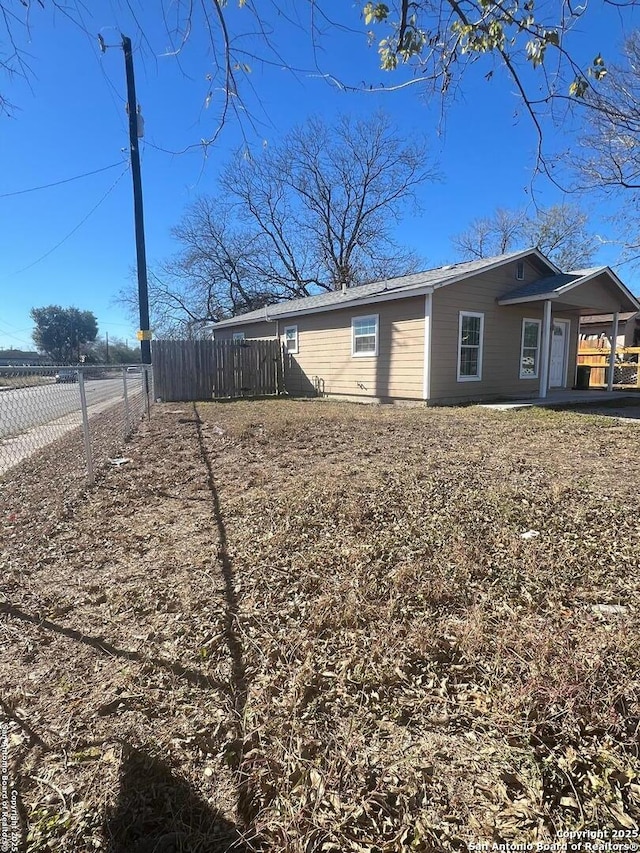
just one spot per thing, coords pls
(364, 336)
(291, 339)
(530, 349)
(470, 339)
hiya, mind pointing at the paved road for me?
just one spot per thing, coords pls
(31, 418)
(23, 408)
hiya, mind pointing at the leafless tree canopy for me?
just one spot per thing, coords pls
(608, 156)
(314, 213)
(560, 232)
(324, 202)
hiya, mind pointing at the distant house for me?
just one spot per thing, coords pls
(499, 327)
(20, 358)
(595, 330)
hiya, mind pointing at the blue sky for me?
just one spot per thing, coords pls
(70, 119)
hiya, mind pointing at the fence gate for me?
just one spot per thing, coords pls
(205, 370)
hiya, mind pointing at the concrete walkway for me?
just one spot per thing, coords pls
(566, 398)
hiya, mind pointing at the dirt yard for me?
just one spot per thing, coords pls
(308, 626)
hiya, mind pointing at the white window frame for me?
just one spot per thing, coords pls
(538, 323)
(461, 316)
(237, 337)
(365, 318)
(295, 348)
(520, 270)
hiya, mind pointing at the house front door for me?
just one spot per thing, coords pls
(558, 357)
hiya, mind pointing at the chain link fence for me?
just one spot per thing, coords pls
(83, 415)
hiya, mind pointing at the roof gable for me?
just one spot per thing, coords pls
(555, 286)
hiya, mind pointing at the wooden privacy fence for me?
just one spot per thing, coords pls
(205, 370)
(626, 373)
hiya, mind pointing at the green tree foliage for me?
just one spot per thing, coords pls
(443, 37)
(561, 233)
(116, 352)
(61, 332)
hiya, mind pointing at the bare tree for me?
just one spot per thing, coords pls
(490, 235)
(213, 275)
(608, 156)
(560, 232)
(323, 203)
(315, 213)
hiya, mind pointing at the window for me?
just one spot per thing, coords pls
(238, 337)
(470, 334)
(520, 270)
(291, 339)
(530, 350)
(364, 336)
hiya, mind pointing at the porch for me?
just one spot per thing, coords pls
(550, 354)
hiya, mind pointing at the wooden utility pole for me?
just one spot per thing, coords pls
(143, 291)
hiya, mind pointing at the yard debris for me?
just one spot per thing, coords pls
(530, 534)
(324, 633)
(610, 609)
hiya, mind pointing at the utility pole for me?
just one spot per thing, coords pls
(143, 292)
(107, 343)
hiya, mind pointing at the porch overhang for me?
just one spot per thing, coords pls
(593, 291)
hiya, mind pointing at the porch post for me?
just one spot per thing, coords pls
(612, 353)
(545, 349)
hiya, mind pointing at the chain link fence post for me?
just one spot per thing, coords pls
(91, 479)
(127, 417)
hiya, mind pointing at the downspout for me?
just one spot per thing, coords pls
(545, 349)
(612, 353)
(428, 321)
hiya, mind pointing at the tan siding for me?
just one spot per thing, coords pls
(598, 296)
(324, 359)
(324, 355)
(255, 331)
(502, 337)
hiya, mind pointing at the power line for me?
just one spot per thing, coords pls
(81, 223)
(15, 337)
(58, 183)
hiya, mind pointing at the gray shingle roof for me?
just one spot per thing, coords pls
(405, 284)
(548, 286)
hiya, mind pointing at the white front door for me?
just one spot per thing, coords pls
(558, 357)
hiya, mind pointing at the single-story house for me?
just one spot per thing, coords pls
(502, 327)
(595, 330)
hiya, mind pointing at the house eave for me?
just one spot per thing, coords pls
(419, 290)
(520, 300)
